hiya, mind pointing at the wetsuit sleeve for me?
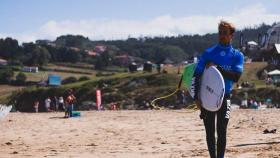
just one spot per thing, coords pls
(237, 69)
(197, 75)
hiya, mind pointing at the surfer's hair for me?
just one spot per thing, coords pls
(226, 24)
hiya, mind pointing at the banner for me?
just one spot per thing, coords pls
(98, 99)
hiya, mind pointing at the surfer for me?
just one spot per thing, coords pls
(229, 62)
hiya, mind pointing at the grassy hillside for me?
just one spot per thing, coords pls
(250, 73)
(128, 90)
(132, 90)
(251, 70)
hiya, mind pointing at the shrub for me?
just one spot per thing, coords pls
(6, 76)
(84, 78)
(70, 79)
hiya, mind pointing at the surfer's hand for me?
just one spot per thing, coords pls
(209, 64)
(198, 103)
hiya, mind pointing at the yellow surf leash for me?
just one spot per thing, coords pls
(155, 106)
(169, 95)
(158, 107)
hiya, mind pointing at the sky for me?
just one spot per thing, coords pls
(29, 20)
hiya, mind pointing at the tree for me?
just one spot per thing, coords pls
(9, 48)
(41, 56)
(104, 60)
(99, 65)
(72, 56)
(72, 41)
(6, 76)
(36, 55)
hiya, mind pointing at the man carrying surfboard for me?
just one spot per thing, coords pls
(229, 62)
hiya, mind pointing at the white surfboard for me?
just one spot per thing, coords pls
(4, 111)
(212, 89)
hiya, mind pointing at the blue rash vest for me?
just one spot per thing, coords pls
(225, 56)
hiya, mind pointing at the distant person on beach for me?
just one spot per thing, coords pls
(36, 106)
(48, 104)
(55, 103)
(229, 62)
(69, 103)
(60, 103)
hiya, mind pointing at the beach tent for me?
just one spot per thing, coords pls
(132, 67)
(252, 43)
(274, 72)
(148, 66)
(54, 80)
(275, 75)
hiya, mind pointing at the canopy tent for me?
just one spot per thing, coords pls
(252, 43)
(54, 80)
(274, 72)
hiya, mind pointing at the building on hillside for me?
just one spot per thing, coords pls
(30, 69)
(132, 67)
(92, 53)
(100, 48)
(3, 62)
(148, 66)
(123, 60)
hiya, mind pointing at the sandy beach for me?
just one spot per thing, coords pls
(132, 134)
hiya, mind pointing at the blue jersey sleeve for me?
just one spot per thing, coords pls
(239, 61)
(201, 64)
(197, 74)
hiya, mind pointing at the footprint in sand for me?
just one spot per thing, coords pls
(92, 144)
(73, 130)
(8, 143)
(15, 152)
